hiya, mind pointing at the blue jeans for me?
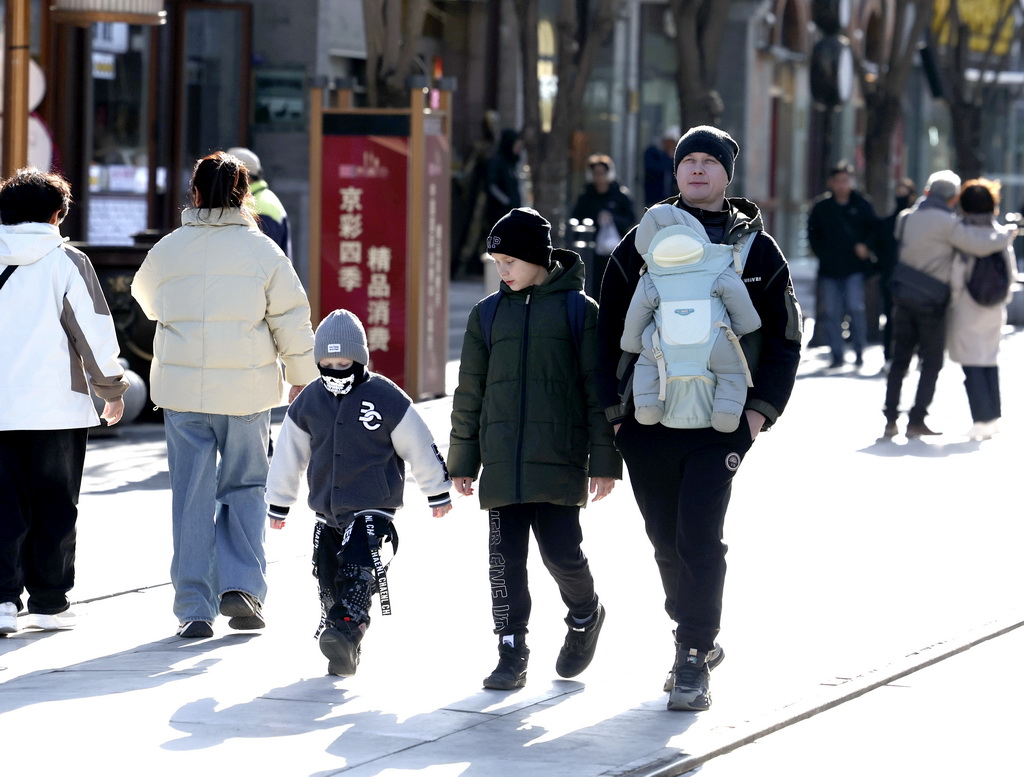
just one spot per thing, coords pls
(842, 297)
(218, 514)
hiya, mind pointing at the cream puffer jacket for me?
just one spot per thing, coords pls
(228, 305)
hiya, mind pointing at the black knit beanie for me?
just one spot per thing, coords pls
(708, 140)
(524, 234)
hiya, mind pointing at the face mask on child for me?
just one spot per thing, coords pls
(340, 382)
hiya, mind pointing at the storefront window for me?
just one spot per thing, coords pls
(119, 163)
(214, 98)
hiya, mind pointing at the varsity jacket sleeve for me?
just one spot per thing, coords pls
(773, 351)
(90, 329)
(639, 314)
(291, 457)
(464, 442)
(414, 443)
(288, 318)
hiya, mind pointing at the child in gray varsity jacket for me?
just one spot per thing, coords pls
(352, 432)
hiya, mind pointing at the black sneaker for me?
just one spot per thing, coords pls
(510, 673)
(244, 609)
(195, 630)
(580, 644)
(691, 678)
(341, 646)
(718, 655)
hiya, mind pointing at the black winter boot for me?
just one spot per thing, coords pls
(691, 678)
(580, 643)
(340, 643)
(510, 673)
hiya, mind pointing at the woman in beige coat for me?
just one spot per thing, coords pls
(229, 310)
(973, 331)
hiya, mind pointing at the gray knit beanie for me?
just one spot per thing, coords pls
(341, 336)
(708, 140)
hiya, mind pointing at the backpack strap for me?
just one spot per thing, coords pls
(7, 274)
(576, 310)
(488, 310)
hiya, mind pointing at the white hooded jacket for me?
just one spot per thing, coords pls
(55, 330)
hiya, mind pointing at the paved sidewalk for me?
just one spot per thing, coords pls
(852, 559)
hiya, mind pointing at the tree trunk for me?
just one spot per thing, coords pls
(576, 49)
(700, 28)
(392, 29)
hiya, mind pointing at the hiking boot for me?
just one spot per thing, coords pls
(510, 673)
(580, 643)
(341, 645)
(691, 682)
(920, 430)
(244, 609)
(718, 655)
(195, 630)
(8, 617)
(890, 429)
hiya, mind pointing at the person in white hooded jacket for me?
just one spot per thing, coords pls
(229, 310)
(58, 339)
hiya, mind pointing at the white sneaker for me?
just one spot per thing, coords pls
(60, 621)
(8, 617)
(983, 430)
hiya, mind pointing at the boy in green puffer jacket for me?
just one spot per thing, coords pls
(526, 410)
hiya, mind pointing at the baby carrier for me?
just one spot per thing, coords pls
(686, 317)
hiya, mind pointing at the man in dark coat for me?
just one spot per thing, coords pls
(682, 478)
(841, 229)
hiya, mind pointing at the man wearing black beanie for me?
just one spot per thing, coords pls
(682, 477)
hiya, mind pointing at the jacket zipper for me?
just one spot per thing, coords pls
(522, 402)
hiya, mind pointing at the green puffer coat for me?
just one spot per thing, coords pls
(528, 410)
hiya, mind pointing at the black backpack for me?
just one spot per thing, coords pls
(990, 280)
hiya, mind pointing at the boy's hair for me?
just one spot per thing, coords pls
(32, 196)
(979, 195)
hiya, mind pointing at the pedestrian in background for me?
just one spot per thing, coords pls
(929, 235)
(526, 410)
(659, 171)
(610, 207)
(271, 216)
(352, 432)
(682, 478)
(228, 307)
(503, 189)
(974, 330)
(58, 340)
(887, 252)
(841, 229)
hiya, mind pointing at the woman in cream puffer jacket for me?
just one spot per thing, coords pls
(228, 307)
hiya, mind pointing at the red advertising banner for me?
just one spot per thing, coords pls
(364, 240)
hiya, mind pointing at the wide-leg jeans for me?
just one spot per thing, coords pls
(218, 467)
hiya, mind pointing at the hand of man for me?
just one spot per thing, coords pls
(464, 485)
(755, 420)
(112, 411)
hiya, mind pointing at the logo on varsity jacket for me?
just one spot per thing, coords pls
(370, 418)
